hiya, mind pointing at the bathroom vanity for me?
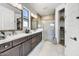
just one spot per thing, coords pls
(12, 19)
(20, 44)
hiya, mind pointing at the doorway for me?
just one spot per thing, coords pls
(62, 27)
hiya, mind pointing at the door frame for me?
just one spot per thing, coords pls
(57, 21)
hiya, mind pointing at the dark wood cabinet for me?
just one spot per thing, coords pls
(19, 41)
(5, 46)
(20, 47)
(36, 39)
(11, 52)
(26, 47)
(34, 42)
(39, 37)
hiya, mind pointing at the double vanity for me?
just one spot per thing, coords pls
(21, 44)
(13, 20)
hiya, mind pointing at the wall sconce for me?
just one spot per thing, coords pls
(33, 15)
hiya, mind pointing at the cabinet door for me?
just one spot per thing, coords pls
(12, 52)
(26, 47)
(34, 41)
(39, 37)
(21, 50)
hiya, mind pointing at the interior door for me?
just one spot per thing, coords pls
(72, 29)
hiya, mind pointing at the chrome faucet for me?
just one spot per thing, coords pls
(2, 36)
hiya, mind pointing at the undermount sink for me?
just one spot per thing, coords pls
(2, 37)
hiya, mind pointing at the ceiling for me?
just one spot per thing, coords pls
(42, 9)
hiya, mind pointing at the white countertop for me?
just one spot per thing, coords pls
(17, 36)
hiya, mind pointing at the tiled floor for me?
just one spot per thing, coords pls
(46, 48)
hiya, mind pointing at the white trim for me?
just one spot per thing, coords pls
(57, 21)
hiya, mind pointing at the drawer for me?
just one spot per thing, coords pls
(34, 35)
(34, 40)
(29, 37)
(5, 46)
(33, 45)
(11, 52)
(19, 41)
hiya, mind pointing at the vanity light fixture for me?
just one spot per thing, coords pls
(19, 6)
(33, 15)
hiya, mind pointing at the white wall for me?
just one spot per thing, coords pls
(72, 29)
(49, 17)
